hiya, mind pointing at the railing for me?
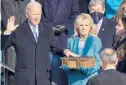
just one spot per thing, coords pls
(7, 70)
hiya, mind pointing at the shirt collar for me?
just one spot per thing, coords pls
(100, 22)
(31, 25)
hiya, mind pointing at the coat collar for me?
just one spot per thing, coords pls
(87, 45)
(30, 34)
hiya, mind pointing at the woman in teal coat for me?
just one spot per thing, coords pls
(84, 42)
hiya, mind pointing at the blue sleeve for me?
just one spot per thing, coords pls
(97, 50)
(70, 43)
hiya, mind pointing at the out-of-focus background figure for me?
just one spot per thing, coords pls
(97, 9)
(60, 12)
(120, 45)
(111, 7)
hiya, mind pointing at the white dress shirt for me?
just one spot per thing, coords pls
(98, 26)
(34, 28)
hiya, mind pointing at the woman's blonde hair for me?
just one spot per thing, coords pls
(120, 11)
(81, 18)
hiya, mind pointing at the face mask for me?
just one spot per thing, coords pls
(96, 16)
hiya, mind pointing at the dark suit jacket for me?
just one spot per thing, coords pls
(32, 58)
(66, 12)
(107, 33)
(83, 6)
(108, 77)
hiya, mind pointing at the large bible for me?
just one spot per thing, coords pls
(76, 62)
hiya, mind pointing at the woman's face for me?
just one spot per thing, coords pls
(84, 28)
(119, 26)
(124, 12)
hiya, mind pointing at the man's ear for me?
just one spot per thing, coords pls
(103, 10)
(26, 15)
(116, 61)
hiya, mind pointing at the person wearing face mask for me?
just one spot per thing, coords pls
(104, 28)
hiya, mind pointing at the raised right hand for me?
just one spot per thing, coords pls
(10, 24)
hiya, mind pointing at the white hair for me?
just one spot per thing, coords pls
(96, 2)
(108, 56)
(32, 4)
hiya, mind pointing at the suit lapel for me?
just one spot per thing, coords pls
(100, 33)
(29, 32)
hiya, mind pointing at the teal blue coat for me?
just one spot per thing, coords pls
(92, 47)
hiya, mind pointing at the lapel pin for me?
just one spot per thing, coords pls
(103, 29)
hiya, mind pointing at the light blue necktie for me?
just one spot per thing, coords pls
(35, 33)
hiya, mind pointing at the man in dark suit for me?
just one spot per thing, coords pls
(32, 41)
(105, 28)
(83, 6)
(110, 76)
(60, 12)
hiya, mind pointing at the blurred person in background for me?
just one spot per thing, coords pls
(105, 28)
(121, 66)
(83, 6)
(15, 8)
(120, 45)
(121, 21)
(58, 13)
(109, 76)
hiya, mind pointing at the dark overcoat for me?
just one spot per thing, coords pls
(32, 64)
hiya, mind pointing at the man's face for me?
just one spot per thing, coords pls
(34, 15)
(97, 8)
